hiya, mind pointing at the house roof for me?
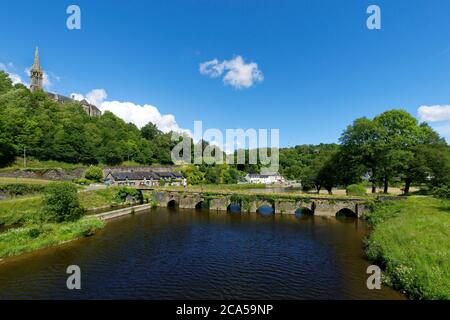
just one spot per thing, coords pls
(63, 99)
(256, 175)
(136, 175)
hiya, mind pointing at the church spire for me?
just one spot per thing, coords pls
(37, 61)
(36, 73)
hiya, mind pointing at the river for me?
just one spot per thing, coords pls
(191, 254)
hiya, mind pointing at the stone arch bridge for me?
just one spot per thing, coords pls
(281, 204)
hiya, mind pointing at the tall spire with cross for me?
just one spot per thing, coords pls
(36, 73)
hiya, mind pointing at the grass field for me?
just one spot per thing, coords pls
(411, 240)
(22, 210)
(37, 164)
(6, 180)
(97, 198)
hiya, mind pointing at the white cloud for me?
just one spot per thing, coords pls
(8, 68)
(236, 72)
(46, 81)
(140, 115)
(434, 113)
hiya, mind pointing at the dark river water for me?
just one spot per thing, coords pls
(188, 254)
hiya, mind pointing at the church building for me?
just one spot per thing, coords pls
(37, 79)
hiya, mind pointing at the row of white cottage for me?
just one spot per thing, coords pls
(273, 178)
(150, 178)
(133, 178)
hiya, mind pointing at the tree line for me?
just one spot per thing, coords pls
(392, 148)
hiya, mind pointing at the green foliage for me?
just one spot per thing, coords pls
(34, 233)
(222, 174)
(20, 210)
(409, 240)
(123, 193)
(442, 192)
(356, 190)
(67, 134)
(94, 174)
(5, 82)
(393, 146)
(193, 174)
(20, 189)
(82, 181)
(61, 203)
(30, 238)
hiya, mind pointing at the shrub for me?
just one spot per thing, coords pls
(34, 233)
(442, 192)
(124, 192)
(20, 189)
(94, 174)
(61, 203)
(356, 190)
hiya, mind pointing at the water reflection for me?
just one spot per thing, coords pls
(197, 254)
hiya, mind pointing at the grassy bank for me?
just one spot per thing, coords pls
(24, 209)
(34, 237)
(6, 180)
(411, 241)
(98, 198)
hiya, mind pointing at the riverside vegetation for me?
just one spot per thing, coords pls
(410, 240)
(57, 216)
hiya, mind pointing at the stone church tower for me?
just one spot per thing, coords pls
(36, 73)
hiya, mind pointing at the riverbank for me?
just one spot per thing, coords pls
(34, 237)
(410, 240)
(23, 232)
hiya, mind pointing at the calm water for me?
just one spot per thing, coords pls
(188, 254)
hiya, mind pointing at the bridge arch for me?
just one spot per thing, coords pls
(346, 212)
(303, 211)
(234, 207)
(201, 205)
(265, 209)
(172, 203)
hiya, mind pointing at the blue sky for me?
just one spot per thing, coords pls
(320, 67)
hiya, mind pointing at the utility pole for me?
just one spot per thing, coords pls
(24, 157)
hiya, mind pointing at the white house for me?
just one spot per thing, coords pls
(271, 178)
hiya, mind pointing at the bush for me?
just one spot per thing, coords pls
(356, 190)
(124, 192)
(61, 203)
(20, 189)
(94, 174)
(442, 192)
(34, 233)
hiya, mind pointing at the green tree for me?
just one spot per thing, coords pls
(94, 174)
(61, 203)
(5, 82)
(150, 131)
(362, 146)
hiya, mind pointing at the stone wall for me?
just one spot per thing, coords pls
(47, 174)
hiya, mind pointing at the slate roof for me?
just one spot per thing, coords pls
(63, 99)
(135, 175)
